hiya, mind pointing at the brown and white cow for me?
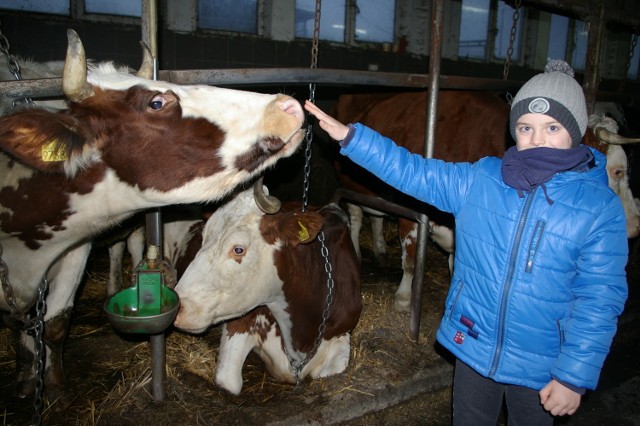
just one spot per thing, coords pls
(603, 136)
(126, 143)
(265, 275)
(470, 125)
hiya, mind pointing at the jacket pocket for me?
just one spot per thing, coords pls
(452, 297)
(534, 244)
(560, 329)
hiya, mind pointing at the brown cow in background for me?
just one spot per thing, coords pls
(470, 125)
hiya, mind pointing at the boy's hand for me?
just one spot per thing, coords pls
(333, 127)
(558, 399)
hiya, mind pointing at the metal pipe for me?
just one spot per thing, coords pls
(435, 50)
(594, 52)
(377, 203)
(154, 218)
(158, 362)
(52, 87)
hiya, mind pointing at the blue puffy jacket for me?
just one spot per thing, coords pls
(537, 288)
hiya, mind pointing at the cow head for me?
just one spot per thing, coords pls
(235, 270)
(126, 143)
(604, 137)
(125, 120)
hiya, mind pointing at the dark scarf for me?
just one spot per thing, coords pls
(527, 169)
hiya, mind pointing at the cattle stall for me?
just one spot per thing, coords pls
(292, 77)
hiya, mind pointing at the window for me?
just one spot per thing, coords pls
(375, 21)
(557, 48)
(229, 15)
(474, 23)
(332, 19)
(633, 65)
(114, 7)
(503, 38)
(58, 7)
(579, 45)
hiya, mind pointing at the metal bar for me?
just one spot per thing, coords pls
(594, 52)
(259, 76)
(52, 87)
(375, 203)
(158, 369)
(154, 218)
(435, 52)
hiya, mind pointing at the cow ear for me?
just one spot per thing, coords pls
(292, 228)
(47, 141)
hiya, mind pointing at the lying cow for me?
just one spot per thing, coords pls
(265, 274)
(125, 144)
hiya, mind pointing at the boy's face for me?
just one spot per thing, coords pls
(540, 130)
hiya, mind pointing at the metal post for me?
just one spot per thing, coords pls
(435, 49)
(594, 52)
(154, 219)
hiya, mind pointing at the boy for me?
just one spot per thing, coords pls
(539, 278)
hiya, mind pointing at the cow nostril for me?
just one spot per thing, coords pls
(293, 107)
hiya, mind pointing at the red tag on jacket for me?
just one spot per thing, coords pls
(459, 338)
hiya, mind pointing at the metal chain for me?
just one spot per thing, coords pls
(512, 39)
(632, 49)
(22, 320)
(41, 309)
(33, 326)
(312, 98)
(13, 65)
(296, 365)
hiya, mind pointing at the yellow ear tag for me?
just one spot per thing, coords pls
(50, 152)
(303, 234)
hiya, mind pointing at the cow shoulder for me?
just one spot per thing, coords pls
(46, 141)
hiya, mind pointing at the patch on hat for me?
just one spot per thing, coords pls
(539, 106)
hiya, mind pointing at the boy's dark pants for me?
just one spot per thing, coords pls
(477, 401)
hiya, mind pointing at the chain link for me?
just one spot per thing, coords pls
(13, 65)
(296, 365)
(22, 319)
(312, 98)
(31, 326)
(41, 308)
(512, 39)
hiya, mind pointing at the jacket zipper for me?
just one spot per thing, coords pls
(513, 258)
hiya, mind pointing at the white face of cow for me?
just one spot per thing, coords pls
(617, 174)
(234, 270)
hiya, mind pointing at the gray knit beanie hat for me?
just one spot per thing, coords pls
(554, 93)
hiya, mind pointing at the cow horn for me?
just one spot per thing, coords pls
(74, 76)
(611, 138)
(267, 203)
(146, 68)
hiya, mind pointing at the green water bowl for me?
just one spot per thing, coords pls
(134, 311)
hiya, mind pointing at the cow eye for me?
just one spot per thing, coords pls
(237, 253)
(157, 102)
